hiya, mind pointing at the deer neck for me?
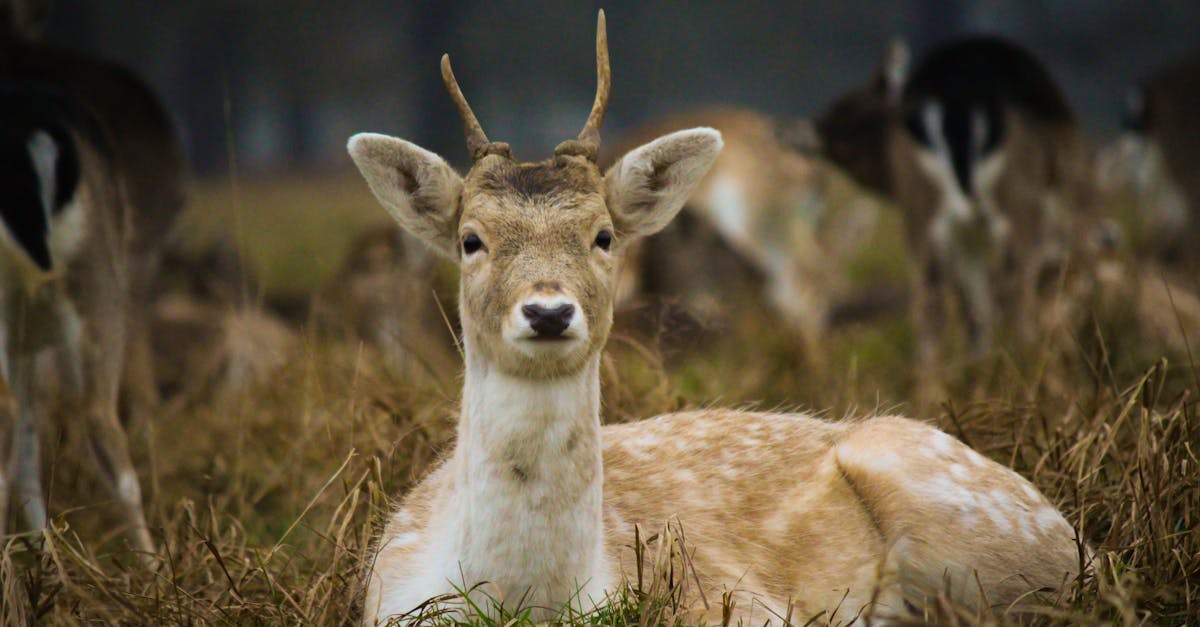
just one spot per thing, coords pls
(529, 483)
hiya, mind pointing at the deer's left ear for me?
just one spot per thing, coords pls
(417, 187)
(650, 184)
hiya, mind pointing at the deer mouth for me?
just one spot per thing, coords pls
(550, 339)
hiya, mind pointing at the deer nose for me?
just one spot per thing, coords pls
(549, 322)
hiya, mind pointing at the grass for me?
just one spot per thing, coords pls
(264, 502)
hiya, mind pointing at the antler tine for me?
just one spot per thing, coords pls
(477, 141)
(589, 137)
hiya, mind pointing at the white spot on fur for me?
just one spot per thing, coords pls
(880, 461)
(1025, 528)
(644, 441)
(1047, 518)
(959, 472)
(943, 442)
(407, 538)
(945, 490)
(998, 508)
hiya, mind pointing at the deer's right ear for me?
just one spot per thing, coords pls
(417, 187)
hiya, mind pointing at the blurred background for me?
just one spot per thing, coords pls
(285, 82)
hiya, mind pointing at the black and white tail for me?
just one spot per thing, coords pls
(40, 173)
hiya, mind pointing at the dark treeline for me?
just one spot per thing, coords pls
(294, 78)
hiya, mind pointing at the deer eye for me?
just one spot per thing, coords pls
(471, 243)
(604, 239)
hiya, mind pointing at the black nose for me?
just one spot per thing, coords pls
(549, 321)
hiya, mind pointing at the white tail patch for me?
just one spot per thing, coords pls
(43, 153)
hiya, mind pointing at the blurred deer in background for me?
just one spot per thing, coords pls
(131, 177)
(985, 157)
(791, 515)
(769, 204)
(1160, 151)
(65, 286)
(386, 295)
(147, 154)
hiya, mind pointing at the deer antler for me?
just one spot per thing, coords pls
(588, 143)
(477, 141)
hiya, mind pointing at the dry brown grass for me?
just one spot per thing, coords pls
(263, 504)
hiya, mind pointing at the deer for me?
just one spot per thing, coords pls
(985, 157)
(66, 290)
(89, 299)
(386, 295)
(768, 204)
(540, 501)
(146, 150)
(1158, 150)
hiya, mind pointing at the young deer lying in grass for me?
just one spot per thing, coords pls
(540, 501)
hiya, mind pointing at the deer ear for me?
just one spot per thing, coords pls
(650, 184)
(417, 187)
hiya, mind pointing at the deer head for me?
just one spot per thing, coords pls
(536, 242)
(853, 131)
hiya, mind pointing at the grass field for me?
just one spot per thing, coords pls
(264, 502)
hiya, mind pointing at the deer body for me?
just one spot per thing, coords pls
(781, 509)
(539, 500)
(984, 155)
(767, 202)
(84, 300)
(65, 291)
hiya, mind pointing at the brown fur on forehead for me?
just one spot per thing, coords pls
(560, 179)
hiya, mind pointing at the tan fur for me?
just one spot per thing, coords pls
(539, 501)
(788, 509)
(766, 201)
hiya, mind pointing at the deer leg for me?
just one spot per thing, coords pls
(101, 355)
(139, 387)
(27, 448)
(975, 294)
(928, 313)
(8, 422)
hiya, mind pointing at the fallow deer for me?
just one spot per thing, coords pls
(985, 157)
(769, 204)
(130, 189)
(147, 154)
(540, 501)
(1159, 149)
(386, 295)
(65, 281)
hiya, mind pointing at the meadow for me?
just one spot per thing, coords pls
(264, 502)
